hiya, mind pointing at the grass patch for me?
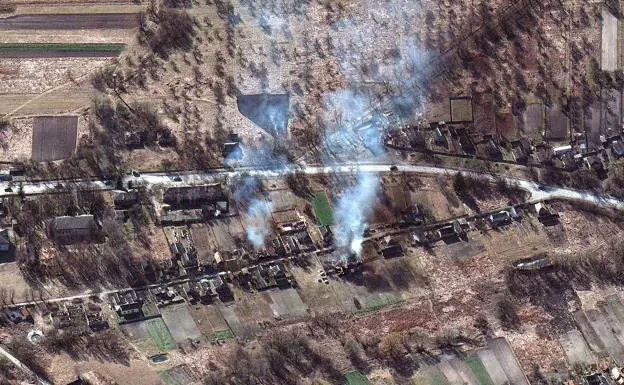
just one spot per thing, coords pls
(356, 378)
(381, 301)
(160, 334)
(322, 209)
(61, 47)
(479, 370)
(168, 379)
(222, 335)
(430, 379)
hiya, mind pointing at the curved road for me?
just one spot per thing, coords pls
(178, 179)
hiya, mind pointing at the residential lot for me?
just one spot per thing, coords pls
(180, 323)
(54, 137)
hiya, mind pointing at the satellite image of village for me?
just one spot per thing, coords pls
(314, 192)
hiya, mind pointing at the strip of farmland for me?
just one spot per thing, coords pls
(43, 50)
(71, 21)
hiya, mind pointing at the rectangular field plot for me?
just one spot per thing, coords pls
(322, 209)
(287, 303)
(159, 333)
(54, 137)
(609, 60)
(48, 50)
(180, 323)
(576, 349)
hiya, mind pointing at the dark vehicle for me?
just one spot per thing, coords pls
(394, 168)
(177, 179)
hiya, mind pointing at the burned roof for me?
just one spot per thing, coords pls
(194, 194)
(78, 222)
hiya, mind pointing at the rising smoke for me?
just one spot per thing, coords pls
(386, 74)
(353, 210)
(259, 222)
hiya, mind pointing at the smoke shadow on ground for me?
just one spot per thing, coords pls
(551, 289)
(268, 111)
(369, 279)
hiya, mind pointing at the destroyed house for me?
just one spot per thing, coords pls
(392, 251)
(501, 218)
(195, 197)
(222, 289)
(466, 143)
(199, 292)
(326, 234)
(289, 221)
(594, 162)
(493, 150)
(545, 215)
(124, 200)
(127, 305)
(617, 149)
(96, 321)
(82, 228)
(232, 148)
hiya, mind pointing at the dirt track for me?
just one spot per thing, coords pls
(71, 21)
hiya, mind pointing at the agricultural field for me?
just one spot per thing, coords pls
(43, 50)
(160, 334)
(54, 138)
(322, 209)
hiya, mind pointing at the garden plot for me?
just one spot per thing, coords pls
(611, 109)
(592, 124)
(180, 323)
(533, 119)
(135, 330)
(601, 325)
(576, 349)
(609, 57)
(557, 124)
(54, 137)
(493, 367)
(507, 359)
(589, 333)
(287, 303)
(208, 319)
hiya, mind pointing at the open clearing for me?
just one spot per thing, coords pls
(54, 137)
(609, 60)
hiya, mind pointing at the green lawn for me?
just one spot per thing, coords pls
(60, 47)
(322, 209)
(167, 379)
(479, 370)
(381, 301)
(160, 334)
(356, 378)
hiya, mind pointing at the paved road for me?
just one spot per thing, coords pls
(70, 21)
(538, 192)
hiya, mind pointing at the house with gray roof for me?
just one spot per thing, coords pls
(68, 230)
